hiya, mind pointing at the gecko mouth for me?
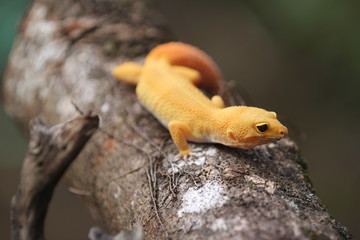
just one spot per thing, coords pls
(250, 142)
(270, 139)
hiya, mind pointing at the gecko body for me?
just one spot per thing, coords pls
(167, 85)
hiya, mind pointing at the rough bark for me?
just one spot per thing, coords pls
(127, 173)
(51, 151)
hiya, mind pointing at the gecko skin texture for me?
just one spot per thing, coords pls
(167, 85)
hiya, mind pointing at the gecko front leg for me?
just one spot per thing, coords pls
(179, 132)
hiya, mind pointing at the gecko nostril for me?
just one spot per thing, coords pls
(284, 132)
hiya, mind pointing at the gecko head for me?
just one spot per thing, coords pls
(247, 127)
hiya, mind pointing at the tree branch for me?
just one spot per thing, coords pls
(128, 173)
(51, 151)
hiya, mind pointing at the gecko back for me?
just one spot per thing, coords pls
(182, 54)
(177, 54)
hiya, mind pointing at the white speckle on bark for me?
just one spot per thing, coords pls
(66, 108)
(85, 86)
(268, 185)
(52, 52)
(271, 145)
(87, 91)
(176, 167)
(197, 223)
(241, 225)
(40, 11)
(197, 157)
(198, 200)
(211, 152)
(200, 161)
(290, 203)
(40, 27)
(116, 190)
(310, 195)
(105, 107)
(296, 229)
(31, 83)
(219, 225)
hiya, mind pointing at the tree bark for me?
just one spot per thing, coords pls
(51, 151)
(127, 173)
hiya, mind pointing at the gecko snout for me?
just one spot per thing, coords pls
(283, 132)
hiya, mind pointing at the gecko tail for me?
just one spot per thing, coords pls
(182, 54)
(128, 72)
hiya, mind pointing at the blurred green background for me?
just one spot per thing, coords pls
(298, 58)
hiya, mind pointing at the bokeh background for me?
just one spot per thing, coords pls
(298, 58)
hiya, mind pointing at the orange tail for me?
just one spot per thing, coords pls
(182, 54)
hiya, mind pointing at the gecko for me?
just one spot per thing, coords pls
(168, 83)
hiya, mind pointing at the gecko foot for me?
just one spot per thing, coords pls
(184, 154)
(189, 153)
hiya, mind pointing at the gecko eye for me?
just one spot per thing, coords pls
(262, 127)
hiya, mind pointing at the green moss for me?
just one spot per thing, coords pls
(130, 49)
(111, 48)
(299, 158)
(310, 234)
(326, 221)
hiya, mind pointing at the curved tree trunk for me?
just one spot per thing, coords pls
(127, 174)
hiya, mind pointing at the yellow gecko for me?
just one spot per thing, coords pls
(166, 86)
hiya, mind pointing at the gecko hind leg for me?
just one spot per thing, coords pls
(128, 72)
(190, 74)
(217, 101)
